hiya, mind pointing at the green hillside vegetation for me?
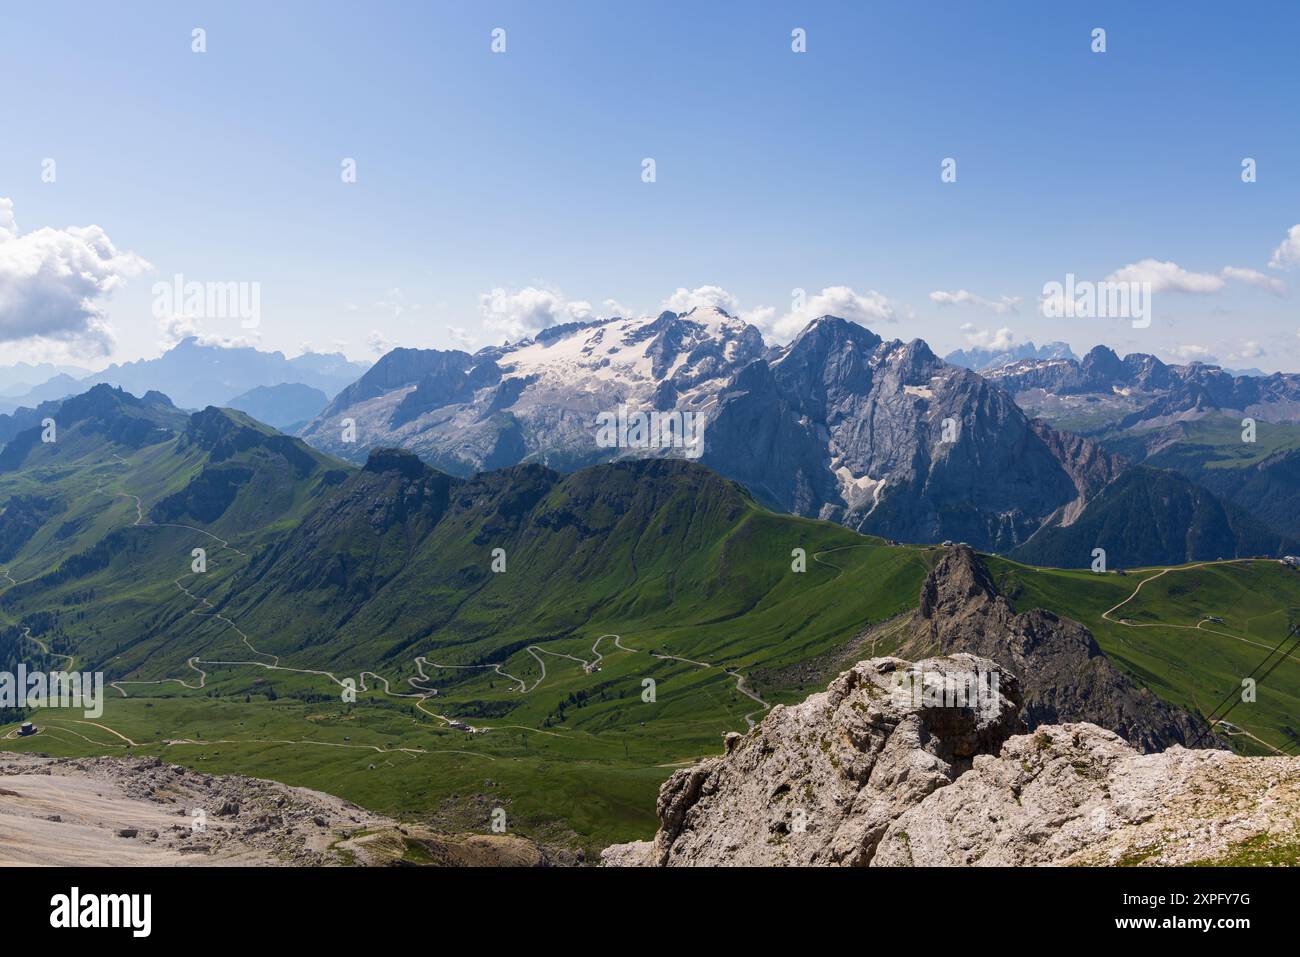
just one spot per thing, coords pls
(1261, 477)
(339, 570)
(1150, 516)
(1164, 637)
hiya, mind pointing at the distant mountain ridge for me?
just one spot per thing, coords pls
(1154, 517)
(1145, 392)
(195, 375)
(980, 358)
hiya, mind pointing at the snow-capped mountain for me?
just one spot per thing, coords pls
(537, 399)
(840, 424)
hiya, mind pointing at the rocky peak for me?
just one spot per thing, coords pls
(819, 782)
(959, 584)
(1102, 364)
(1064, 674)
(404, 463)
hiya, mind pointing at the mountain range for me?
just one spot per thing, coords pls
(878, 435)
(881, 436)
(1141, 392)
(195, 374)
(980, 358)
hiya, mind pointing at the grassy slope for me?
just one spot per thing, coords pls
(577, 759)
(1164, 648)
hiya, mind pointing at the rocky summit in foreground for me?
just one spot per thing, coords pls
(870, 773)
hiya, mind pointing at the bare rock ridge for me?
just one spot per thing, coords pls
(862, 774)
(1063, 674)
(1075, 794)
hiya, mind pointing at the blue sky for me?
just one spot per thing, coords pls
(521, 172)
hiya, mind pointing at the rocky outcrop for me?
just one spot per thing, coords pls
(1075, 794)
(1064, 675)
(869, 773)
(820, 782)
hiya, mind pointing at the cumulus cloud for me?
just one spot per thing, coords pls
(1192, 353)
(377, 343)
(1255, 278)
(1249, 349)
(173, 329)
(1287, 254)
(684, 300)
(1171, 277)
(1168, 277)
(53, 281)
(995, 341)
(519, 315)
(963, 297)
(868, 308)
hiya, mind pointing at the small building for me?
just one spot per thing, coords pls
(26, 729)
(460, 726)
(1292, 560)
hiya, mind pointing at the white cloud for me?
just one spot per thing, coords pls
(868, 309)
(460, 336)
(1255, 278)
(999, 341)
(1168, 277)
(175, 328)
(377, 343)
(519, 315)
(963, 297)
(229, 342)
(712, 297)
(1288, 253)
(1192, 353)
(684, 300)
(1250, 349)
(52, 282)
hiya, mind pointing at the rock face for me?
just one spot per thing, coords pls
(820, 782)
(1156, 517)
(1064, 675)
(861, 775)
(1074, 794)
(1140, 390)
(839, 424)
